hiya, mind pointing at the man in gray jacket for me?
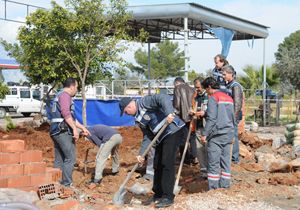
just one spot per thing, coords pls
(218, 133)
(235, 90)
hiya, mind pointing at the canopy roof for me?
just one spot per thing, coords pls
(9, 64)
(165, 21)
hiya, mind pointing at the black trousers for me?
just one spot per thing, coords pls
(164, 166)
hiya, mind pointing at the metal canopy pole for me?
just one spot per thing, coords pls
(149, 65)
(186, 58)
(264, 84)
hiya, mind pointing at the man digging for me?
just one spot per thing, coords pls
(151, 113)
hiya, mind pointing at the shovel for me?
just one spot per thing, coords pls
(177, 188)
(118, 198)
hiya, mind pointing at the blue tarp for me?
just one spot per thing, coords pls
(102, 112)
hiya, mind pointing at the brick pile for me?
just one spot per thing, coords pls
(24, 169)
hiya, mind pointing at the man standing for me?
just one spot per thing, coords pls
(236, 92)
(217, 74)
(201, 99)
(151, 113)
(218, 133)
(110, 140)
(182, 102)
(63, 130)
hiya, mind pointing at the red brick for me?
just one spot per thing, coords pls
(34, 168)
(36, 180)
(12, 145)
(9, 158)
(11, 170)
(31, 156)
(71, 204)
(53, 174)
(15, 182)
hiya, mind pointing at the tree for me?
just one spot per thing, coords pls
(3, 88)
(81, 41)
(287, 60)
(253, 78)
(193, 75)
(167, 60)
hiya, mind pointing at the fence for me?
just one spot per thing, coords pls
(279, 111)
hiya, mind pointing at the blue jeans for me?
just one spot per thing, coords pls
(65, 156)
(236, 146)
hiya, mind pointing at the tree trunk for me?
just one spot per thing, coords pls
(83, 104)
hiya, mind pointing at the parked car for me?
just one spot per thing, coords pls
(21, 99)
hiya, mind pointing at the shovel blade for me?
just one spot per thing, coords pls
(177, 189)
(119, 197)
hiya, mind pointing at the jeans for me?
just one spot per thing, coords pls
(236, 147)
(110, 147)
(164, 166)
(65, 156)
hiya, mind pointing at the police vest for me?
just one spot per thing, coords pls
(231, 85)
(58, 124)
(154, 120)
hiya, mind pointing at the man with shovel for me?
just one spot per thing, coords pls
(151, 114)
(110, 140)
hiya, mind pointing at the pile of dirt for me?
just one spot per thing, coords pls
(247, 178)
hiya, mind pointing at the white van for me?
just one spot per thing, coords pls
(21, 99)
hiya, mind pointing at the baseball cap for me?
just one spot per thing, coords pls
(123, 103)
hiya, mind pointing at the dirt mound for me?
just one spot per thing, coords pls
(253, 140)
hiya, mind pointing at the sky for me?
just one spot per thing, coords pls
(282, 16)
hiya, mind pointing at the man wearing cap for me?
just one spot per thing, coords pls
(151, 113)
(108, 141)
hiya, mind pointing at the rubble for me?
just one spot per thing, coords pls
(254, 167)
(244, 152)
(271, 163)
(278, 142)
(251, 139)
(294, 165)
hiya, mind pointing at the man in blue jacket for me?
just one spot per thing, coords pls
(151, 113)
(108, 140)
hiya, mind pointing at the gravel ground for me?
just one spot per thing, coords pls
(209, 201)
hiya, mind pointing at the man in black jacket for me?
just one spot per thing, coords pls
(182, 102)
(235, 90)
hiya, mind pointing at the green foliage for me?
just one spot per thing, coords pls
(287, 60)
(253, 78)
(166, 61)
(193, 75)
(9, 124)
(4, 90)
(82, 41)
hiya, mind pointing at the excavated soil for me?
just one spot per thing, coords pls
(250, 183)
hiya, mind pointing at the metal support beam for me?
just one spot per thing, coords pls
(149, 65)
(186, 45)
(264, 84)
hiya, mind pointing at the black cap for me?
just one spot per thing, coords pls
(123, 103)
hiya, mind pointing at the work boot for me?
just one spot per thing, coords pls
(151, 200)
(165, 202)
(115, 173)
